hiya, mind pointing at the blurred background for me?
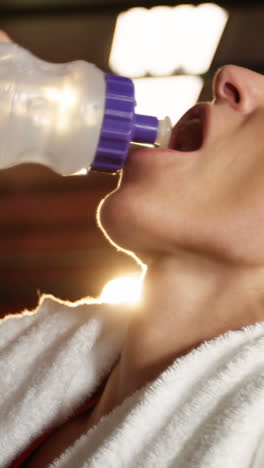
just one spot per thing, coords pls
(49, 241)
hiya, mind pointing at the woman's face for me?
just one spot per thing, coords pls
(206, 192)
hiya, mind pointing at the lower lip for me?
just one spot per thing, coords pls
(143, 160)
(146, 154)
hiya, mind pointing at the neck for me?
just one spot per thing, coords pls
(187, 300)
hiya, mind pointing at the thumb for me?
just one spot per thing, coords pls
(4, 37)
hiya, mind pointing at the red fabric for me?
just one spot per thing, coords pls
(87, 406)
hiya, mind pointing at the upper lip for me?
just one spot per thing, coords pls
(199, 111)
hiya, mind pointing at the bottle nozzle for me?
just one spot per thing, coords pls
(145, 129)
(150, 130)
(164, 133)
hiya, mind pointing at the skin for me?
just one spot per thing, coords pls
(195, 220)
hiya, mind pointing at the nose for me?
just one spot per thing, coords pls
(239, 87)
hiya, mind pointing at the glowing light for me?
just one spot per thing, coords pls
(208, 24)
(65, 99)
(164, 40)
(129, 47)
(82, 171)
(66, 96)
(161, 46)
(173, 95)
(124, 289)
(53, 94)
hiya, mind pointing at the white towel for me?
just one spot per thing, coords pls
(51, 361)
(206, 410)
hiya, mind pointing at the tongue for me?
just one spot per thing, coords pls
(190, 136)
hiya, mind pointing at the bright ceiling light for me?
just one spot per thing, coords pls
(170, 96)
(164, 40)
(208, 24)
(127, 289)
(128, 49)
(160, 46)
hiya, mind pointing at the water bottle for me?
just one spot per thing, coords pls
(70, 116)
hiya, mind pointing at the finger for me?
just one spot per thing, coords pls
(4, 36)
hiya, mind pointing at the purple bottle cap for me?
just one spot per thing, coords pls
(121, 125)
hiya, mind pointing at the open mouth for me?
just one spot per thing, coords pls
(189, 133)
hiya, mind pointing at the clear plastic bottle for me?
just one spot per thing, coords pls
(68, 116)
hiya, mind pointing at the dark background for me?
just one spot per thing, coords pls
(49, 241)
